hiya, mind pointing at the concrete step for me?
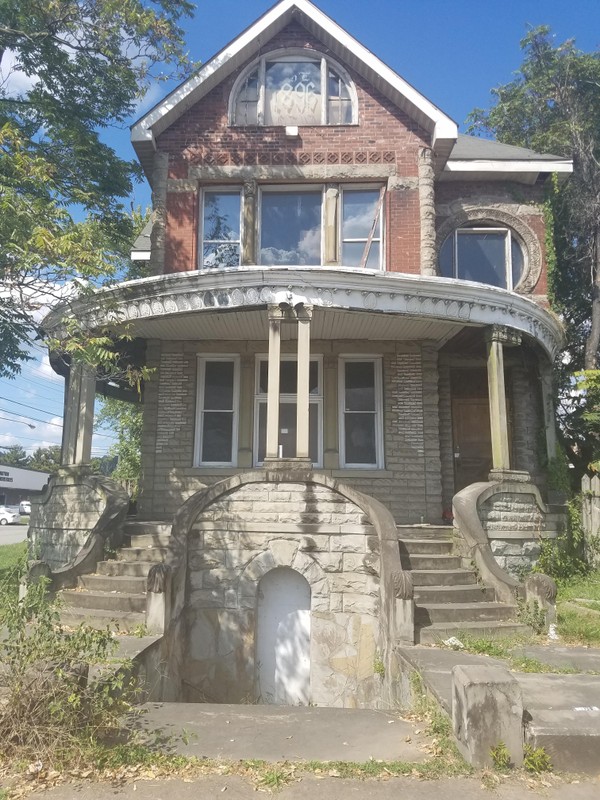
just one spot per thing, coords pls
(153, 554)
(471, 593)
(114, 583)
(442, 577)
(457, 613)
(429, 562)
(137, 527)
(136, 569)
(425, 546)
(438, 632)
(149, 539)
(115, 602)
(101, 619)
(424, 532)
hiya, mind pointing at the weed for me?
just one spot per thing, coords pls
(378, 666)
(276, 776)
(500, 757)
(532, 615)
(536, 759)
(140, 630)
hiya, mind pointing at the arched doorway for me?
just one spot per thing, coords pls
(283, 638)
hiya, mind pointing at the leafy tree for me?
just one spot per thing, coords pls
(87, 62)
(553, 105)
(45, 459)
(14, 456)
(125, 419)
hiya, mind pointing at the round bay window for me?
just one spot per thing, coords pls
(486, 254)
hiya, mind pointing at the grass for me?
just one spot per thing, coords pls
(578, 607)
(504, 649)
(11, 557)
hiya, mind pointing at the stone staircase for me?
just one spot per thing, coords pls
(448, 599)
(116, 594)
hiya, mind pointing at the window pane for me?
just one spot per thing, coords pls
(287, 430)
(339, 110)
(221, 216)
(360, 439)
(358, 214)
(220, 255)
(293, 93)
(288, 377)
(360, 386)
(517, 261)
(218, 385)
(482, 257)
(217, 436)
(353, 252)
(247, 101)
(291, 228)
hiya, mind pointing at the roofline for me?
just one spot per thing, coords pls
(442, 128)
(512, 165)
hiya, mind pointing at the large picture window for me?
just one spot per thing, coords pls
(217, 411)
(288, 388)
(485, 254)
(293, 89)
(220, 228)
(290, 227)
(361, 429)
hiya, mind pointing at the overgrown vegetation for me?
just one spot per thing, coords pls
(536, 759)
(564, 557)
(578, 609)
(63, 692)
(501, 757)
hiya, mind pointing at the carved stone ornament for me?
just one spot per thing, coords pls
(542, 585)
(503, 334)
(403, 585)
(157, 578)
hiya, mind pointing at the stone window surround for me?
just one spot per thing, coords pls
(463, 216)
(331, 216)
(201, 365)
(305, 53)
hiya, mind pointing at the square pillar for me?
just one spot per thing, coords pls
(78, 422)
(303, 388)
(496, 337)
(275, 317)
(549, 410)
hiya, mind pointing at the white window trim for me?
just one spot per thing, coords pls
(202, 360)
(294, 188)
(293, 54)
(224, 190)
(379, 440)
(314, 399)
(508, 237)
(350, 187)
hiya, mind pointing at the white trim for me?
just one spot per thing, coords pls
(140, 255)
(515, 165)
(202, 360)
(253, 38)
(376, 360)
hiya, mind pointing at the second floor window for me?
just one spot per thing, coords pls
(486, 254)
(221, 229)
(290, 227)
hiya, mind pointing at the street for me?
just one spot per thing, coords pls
(12, 534)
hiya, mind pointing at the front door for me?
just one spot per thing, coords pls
(283, 638)
(472, 440)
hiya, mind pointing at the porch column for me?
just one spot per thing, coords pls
(549, 410)
(275, 317)
(497, 398)
(78, 420)
(304, 315)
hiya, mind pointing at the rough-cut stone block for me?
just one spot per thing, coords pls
(283, 550)
(487, 709)
(349, 544)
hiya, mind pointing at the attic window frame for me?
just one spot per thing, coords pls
(293, 54)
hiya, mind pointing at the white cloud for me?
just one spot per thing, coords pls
(14, 81)
(151, 98)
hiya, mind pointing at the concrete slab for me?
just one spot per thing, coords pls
(280, 733)
(584, 659)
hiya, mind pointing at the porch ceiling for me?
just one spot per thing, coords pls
(327, 323)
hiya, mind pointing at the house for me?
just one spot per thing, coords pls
(19, 485)
(346, 314)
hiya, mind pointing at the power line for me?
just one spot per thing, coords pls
(33, 408)
(33, 419)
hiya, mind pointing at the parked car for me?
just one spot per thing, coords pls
(8, 517)
(24, 507)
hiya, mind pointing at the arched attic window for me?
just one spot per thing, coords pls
(286, 87)
(485, 253)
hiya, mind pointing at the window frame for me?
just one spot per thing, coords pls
(358, 187)
(314, 399)
(231, 189)
(202, 360)
(292, 55)
(509, 235)
(378, 412)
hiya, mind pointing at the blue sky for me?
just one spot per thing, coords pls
(452, 52)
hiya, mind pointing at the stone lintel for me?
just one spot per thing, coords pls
(509, 476)
(288, 464)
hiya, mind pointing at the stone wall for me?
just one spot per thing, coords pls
(515, 525)
(409, 485)
(241, 537)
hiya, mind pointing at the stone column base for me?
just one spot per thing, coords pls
(509, 476)
(302, 464)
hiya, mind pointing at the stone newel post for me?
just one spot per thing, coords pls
(78, 416)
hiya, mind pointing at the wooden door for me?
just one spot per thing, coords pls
(472, 440)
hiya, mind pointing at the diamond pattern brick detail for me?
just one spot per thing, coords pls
(375, 158)
(389, 157)
(319, 158)
(223, 159)
(278, 158)
(361, 158)
(333, 158)
(347, 158)
(305, 158)
(237, 158)
(250, 158)
(291, 158)
(264, 158)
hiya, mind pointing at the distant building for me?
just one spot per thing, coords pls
(18, 484)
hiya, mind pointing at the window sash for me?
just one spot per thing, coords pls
(309, 259)
(506, 273)
(225, 244)
(205, 414)
(375, 224)
(349, 417)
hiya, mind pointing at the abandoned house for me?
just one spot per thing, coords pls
(350, 412)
